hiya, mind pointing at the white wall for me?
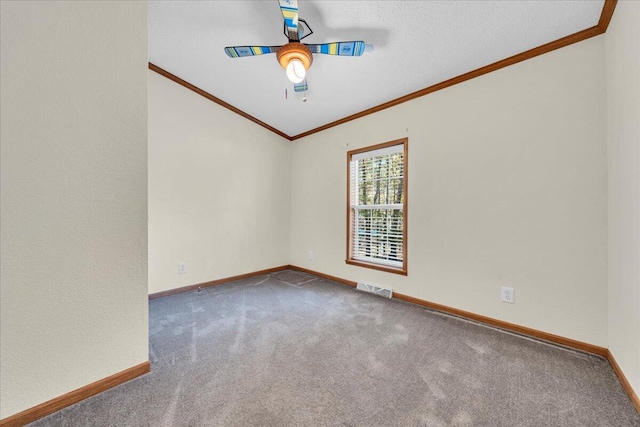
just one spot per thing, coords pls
(219, 190)
(622, 47)
(507, 186)
(73, 195)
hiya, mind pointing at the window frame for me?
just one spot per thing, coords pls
(376, 266)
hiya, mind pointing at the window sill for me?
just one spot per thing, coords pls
(386, 268)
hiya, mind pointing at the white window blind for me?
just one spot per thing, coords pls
(377, 206)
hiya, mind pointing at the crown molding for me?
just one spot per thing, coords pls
(600, 28)
(603, 23)
(216, 100)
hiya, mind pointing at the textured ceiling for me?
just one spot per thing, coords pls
(417, 44)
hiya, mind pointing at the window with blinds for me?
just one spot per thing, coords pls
(377, 201)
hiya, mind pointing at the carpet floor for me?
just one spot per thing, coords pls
(290, 349)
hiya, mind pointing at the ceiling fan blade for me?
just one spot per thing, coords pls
(301, 87)
(355, 48)
(238, 51)
(289, 10)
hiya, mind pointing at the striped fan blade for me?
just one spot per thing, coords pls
(238, 51)
(301, 87)
(289, 10)
(339, 48)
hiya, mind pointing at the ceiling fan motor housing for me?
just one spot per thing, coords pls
(294, 50)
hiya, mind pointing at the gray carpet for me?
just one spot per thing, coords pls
(291, 349)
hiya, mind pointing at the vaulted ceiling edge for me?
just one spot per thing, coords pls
(600, 28)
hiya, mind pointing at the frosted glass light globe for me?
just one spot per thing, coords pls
(296, 71)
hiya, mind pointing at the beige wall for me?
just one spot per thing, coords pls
(623, 141)
(219, 190)
(73, 195)
(507, 187)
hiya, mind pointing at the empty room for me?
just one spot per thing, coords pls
(320, 213)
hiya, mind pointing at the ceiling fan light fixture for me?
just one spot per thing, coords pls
(296, 71)
(296, 59)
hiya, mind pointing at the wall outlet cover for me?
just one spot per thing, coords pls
(506, 295)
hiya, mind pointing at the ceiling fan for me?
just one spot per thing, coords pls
(296, 57)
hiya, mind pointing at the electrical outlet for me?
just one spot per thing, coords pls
(310, 254)
(182, 268)
(506, 295)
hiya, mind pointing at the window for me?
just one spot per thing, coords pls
(377, 207)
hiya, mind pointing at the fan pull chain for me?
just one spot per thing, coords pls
(304, 97)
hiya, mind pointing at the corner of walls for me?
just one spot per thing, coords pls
(219, 190)
(622, 62)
